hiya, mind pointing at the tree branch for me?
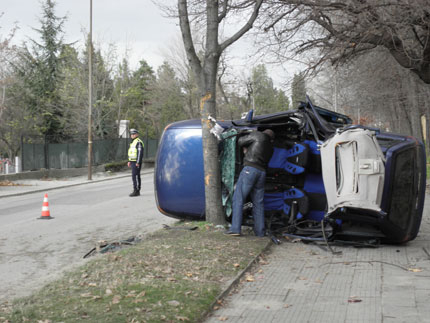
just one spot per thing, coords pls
(245, 28)
(223, 12)
(187, 37)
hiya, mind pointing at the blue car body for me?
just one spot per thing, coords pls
(179, 175)
(179, 171)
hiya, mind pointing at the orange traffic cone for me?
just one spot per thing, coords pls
(45, 209)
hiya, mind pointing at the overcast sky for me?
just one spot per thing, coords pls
(136, 24)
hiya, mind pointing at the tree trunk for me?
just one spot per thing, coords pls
(205, 71)
(214, 211)
(412, 107)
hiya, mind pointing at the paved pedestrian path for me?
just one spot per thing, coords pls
(303, 283)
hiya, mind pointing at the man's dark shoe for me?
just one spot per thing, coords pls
(135, 193)
(231, 233)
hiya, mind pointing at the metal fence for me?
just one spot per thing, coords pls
(75, 154)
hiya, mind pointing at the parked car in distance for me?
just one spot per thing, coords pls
(348, 182)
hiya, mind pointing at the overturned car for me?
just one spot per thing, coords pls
(327, 179)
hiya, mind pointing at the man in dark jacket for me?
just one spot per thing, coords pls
(135, 157)
(258, 148)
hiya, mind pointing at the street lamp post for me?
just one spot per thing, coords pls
(90, 92)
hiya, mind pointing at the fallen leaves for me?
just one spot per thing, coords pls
(249, 278)
(131, 294)
(292, 240)
(116, 299)
(354, 299)
(173, 303)
(9, 183)
(415, 270)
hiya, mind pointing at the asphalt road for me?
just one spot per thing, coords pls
(34, 251)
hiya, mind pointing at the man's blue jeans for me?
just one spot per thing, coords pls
(251, 181)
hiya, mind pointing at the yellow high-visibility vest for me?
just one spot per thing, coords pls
(132, 151)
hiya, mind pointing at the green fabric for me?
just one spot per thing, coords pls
(228, 159)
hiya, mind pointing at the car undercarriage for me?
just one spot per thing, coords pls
(332, 181)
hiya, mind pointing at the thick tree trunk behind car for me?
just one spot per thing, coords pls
(214, 211)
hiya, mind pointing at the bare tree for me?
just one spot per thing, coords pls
(377, 92)
(325, 31)
(205, 68)
(339, 31)
(227, 108)
(175, 55)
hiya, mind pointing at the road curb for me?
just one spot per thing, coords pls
(72, 184)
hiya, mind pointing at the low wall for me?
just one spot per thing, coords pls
(59, 173)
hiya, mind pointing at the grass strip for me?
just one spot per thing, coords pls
(173, 275)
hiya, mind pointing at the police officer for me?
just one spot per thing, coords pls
(135, 156)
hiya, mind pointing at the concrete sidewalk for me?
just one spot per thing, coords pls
(303, 283)
(23, 186)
